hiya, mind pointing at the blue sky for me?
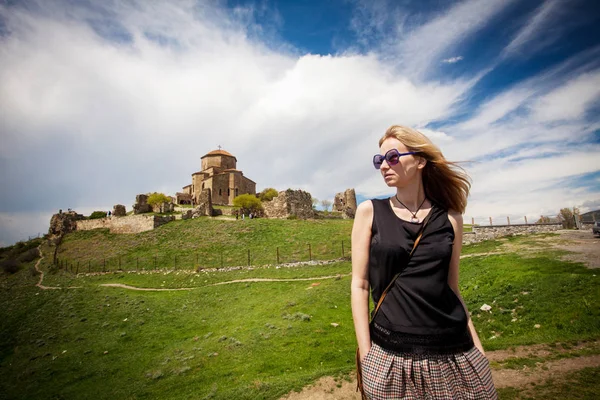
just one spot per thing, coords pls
(102, 100)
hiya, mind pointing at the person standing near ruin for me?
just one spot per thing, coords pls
(421, 342)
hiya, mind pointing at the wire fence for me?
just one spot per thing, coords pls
(224, 257)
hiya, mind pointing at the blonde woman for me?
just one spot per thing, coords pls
(421, 343)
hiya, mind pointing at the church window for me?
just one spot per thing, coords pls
(236, 192)
(220, 192)
(228, 192)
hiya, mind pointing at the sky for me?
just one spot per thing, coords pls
(104, 100)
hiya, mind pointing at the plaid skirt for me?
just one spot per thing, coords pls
(390, 375)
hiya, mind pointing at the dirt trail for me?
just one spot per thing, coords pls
(39, 284)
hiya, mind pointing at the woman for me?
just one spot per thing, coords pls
(421, 343)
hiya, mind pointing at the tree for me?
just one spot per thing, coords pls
(268, 194)
(326, 204)
(158, 198)
(567, 218)
(543, 220)
(98, 214)
(248, 203)
(315, 201)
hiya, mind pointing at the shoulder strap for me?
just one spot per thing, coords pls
(389, 286)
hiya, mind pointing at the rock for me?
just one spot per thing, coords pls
(485, 307)
(119, 210)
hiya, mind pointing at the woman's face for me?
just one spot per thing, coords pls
(405, 171)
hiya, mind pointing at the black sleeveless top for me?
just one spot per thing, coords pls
(420, 313)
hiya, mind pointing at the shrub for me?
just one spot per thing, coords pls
(248, 203)
(29, 255)
(268, 194)
(9, 266)
(158, 198)
(98, 214)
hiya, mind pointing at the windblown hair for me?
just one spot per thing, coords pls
(445, 182)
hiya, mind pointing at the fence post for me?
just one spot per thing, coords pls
(175, 261)
(309, 253)
(104, 265)
(119, 262)
(221, 258)
(248, 257)
(277, 255)
(137, 264)
(196, 259)
(508, 219)
(89, 266)
(77, 272)
(342, 249)
(526, 220)
(155, 262)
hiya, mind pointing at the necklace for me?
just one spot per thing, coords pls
(414, 219)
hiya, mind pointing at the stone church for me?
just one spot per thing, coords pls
(220, 175)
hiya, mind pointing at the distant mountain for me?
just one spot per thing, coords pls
(591, 216)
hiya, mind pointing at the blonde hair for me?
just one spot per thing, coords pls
(445, 182)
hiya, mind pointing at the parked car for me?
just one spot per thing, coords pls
(596, 228)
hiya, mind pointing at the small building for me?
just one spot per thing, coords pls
(220, 175)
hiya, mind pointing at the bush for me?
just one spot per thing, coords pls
(98, 214)
(9, 266)
(268, 194)
(29, 255)
(248, 203)
(158, 198)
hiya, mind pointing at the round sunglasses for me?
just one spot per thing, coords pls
(392, 157)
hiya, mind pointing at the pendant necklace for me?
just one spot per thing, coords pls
(414, 218)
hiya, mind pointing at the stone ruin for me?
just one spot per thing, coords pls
(119, 210)
(141, 204)
(63, 223)
(345, 203)
(204, 207)
(163, 208)
(290, 203)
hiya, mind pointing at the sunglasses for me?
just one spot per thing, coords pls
(392, 157)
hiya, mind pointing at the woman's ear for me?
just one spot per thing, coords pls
(422, 163)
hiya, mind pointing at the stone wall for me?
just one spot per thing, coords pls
(345, 203)
(481, 233)
(141, 204)
(130, 224)
(288, 203)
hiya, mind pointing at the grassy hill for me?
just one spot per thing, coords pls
(244, 340)
(208, 243)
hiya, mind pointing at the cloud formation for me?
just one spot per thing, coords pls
(100, 104)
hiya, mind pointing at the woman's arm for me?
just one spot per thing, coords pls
(361, 241)
(456, 220)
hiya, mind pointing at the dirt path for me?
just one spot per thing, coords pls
(39, 284)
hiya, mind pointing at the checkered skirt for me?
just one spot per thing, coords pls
(390, 375)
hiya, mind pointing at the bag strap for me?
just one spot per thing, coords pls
(417, 240)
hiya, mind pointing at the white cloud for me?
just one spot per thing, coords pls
(569, 101)
(452, 60)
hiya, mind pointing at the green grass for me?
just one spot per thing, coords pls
(246, 340)
(582, 385)
(207, 243)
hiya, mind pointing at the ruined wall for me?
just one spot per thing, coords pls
(290, 202)
(141, 204)
(481, 233)
(119, 210)
(130, 224)
(345, 203)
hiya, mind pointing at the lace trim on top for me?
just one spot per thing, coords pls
(421, 344)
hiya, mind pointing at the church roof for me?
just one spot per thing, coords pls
(218, 153)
